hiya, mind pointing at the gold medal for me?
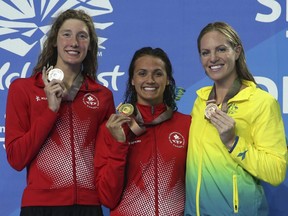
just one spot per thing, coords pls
(55, 73)
(126, 109)
(210, 109)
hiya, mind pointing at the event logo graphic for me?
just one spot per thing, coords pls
(275, 10)
(23, 19)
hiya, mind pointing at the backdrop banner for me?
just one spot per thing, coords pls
(125, 26)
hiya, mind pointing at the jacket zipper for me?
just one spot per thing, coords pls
(235, 195)
(156, 167)
(73, 153)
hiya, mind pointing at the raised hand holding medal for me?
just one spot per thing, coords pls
(55, 88)
(128, 110)
(224, 124)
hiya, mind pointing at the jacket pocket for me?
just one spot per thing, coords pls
(235, 194)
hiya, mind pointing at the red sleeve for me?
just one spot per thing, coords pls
(110, 162)
(110, 106)
(23, 138)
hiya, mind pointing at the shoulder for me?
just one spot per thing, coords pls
(22, 83)
(255, 94)
(204, 92)
(181, 117)
(261, 101)
(263, 97)
(91, 85)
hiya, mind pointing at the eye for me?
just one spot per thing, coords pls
(141, 73)
(66, 34)
(222, 49)
(159, 73)
(204, 53)
(83, 36)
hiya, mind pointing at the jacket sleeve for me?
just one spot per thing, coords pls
(266, 157)
(109, 105)
(110, 163)
(23, 138)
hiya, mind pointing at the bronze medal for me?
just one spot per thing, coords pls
(126, 109)
(55, 73)
(210, 109)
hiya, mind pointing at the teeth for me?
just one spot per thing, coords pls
(72, 52)
(149, 89)
(215, 67)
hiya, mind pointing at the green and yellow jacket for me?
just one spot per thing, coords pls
(222, 182)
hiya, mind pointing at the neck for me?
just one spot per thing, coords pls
(70, 74)
(222, 88)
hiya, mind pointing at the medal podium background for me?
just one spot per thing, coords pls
(123, 27)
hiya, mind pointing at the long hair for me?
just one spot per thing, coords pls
(49, 52)
(234, 40)
(169, 92)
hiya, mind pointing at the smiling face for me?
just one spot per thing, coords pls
(72, 43)
(150, 80)
(218, 57)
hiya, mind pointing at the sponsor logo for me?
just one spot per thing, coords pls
(134, 142)
(232, 108)
(40, 98)
(177, 140)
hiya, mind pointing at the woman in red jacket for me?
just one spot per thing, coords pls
(52, 120)
(141, 151)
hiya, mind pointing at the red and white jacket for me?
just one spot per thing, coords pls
(146, 175)
(56, 148)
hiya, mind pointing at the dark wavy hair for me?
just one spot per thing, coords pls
(234, 40)
(49, 52)
(169, 92)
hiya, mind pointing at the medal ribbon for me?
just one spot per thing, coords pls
(235, 88)
(137, 125)
(73, 90)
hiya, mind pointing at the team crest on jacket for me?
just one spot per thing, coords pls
(177, 140)
(91, 101)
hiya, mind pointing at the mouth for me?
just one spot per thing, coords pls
(72, 52)
(216, 67)
(149, 88)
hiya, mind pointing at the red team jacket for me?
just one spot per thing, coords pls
(56, 148)
(146, 175)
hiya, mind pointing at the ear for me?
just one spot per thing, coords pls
(238, 50)
(132, 82)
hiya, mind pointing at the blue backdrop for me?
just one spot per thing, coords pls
(124, 26)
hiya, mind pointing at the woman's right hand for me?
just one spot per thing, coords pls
(114, 125)
(225, 126)
(55, 90)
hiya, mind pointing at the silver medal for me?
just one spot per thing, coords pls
(55, 73)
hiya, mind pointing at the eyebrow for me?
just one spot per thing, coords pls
(217, 47)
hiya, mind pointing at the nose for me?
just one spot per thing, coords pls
(214, 57)
(150, 78)
(74, 42)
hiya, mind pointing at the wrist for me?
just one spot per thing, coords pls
(233, 144)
